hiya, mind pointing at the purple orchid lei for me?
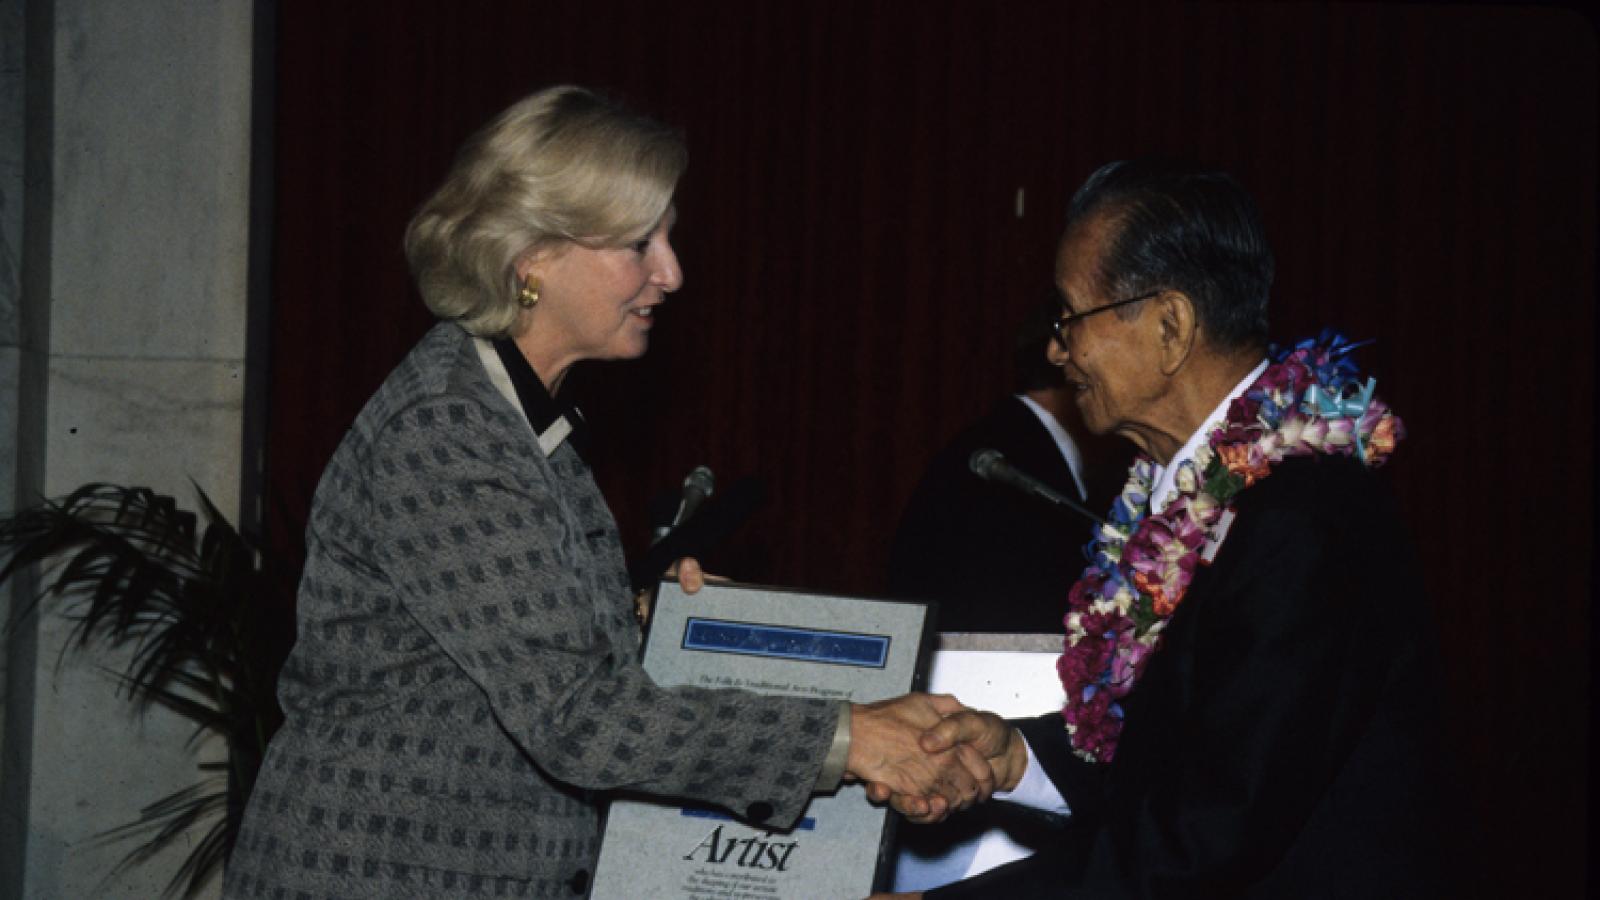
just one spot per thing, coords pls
(1309, 400)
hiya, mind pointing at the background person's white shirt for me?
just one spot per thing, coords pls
(1064, 442)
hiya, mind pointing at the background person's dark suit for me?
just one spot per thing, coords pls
(1281, 742)
(992, 557)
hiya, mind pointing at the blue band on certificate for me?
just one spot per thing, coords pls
(865, 650)
(695, 812)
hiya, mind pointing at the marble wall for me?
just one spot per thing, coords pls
(11, 149)
(19, 654)
(140, 346)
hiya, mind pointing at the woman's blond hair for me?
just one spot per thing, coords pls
(563, 164)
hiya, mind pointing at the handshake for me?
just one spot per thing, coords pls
(927, 756)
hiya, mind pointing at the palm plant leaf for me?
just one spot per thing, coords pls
(208, 636)
(187, 703)
(171, 818)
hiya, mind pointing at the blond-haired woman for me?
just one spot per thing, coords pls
(465, 674)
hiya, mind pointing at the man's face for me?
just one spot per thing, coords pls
(1111, 363)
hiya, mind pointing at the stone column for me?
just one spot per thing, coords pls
(130, 308)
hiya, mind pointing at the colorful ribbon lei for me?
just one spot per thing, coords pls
(1309, 400)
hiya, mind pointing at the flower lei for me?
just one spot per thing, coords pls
(1309, 400)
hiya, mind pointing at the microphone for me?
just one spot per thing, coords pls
(697, 488)
(990, 465)
(699, 535)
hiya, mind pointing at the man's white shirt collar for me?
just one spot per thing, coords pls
(1166, 476)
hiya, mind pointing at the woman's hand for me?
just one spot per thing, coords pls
(690, 577)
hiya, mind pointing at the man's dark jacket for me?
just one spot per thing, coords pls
(1282, 741)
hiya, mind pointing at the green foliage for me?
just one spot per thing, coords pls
(209, 626)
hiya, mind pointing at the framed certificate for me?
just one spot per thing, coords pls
(771, 641)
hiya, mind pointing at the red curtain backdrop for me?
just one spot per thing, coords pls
(856, 261)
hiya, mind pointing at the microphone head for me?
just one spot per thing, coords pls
(700, 534)
(701, 480)
(984, 461)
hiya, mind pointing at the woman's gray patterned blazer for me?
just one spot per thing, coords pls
(465, 671)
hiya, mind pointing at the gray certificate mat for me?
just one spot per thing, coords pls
(772, 642)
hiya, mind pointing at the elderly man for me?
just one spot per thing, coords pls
(1247, 666)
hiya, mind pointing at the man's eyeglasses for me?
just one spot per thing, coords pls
(1059, 327)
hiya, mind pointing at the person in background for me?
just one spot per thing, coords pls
(994, 558)
(465, 685)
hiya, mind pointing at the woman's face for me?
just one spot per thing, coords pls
(598, 303)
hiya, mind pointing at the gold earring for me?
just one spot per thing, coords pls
(529, 295)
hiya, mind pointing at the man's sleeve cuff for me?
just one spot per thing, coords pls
(1035, 790)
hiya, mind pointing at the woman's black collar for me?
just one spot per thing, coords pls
(543, 411)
